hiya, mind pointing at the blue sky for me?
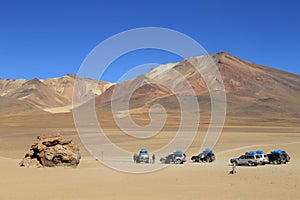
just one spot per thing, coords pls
(51, 38)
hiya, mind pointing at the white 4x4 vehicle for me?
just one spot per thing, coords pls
(250, 159)
(262, 157)
(142, 157)
(178, 157)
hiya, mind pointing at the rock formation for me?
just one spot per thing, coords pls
(51, 151)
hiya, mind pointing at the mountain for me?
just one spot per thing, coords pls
(263, 90)
(38, 94)
(240, 77)
(53, 94)
(8, 86)
(137, 91)
(64, 86)
(252, 90)
(11, 107)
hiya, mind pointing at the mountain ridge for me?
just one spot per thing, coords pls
(52, 92)
(252, 89)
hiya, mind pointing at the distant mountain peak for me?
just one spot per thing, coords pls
(34, 81)
(223, 53)
(72, 75)
(51, 92)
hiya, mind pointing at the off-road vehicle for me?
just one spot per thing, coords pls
(250, 158)
(206, 156)
(278, 157)
(262, 157)
(142, 157)
(177, 157)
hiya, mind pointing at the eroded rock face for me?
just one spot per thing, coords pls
(51, 151)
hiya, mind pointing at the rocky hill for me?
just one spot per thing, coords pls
(49, 94)
(252, 90)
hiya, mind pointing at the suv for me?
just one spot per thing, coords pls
(250, 158)
(262, 157)
(206, 156)
(142, 157)
(178, 157)
(278, 157)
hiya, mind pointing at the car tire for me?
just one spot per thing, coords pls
(178, 161)
(250, 163)
(284, 162)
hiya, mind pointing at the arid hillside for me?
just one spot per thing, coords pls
(52, 93)
(255, 92)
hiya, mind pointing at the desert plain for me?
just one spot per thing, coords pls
(93, 180)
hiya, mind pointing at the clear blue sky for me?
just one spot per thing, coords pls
(50, 38)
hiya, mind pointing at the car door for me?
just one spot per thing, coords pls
(242, 160)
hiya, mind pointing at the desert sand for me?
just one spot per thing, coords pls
(93, 180)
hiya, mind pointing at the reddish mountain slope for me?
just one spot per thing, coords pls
(252, 89)
(38, 94)
(11, 106)
(52, 93)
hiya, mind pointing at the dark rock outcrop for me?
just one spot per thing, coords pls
(51, 151)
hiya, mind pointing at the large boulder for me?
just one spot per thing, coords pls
(51, 151)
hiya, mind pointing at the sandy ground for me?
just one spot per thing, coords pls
(64, 109)
(92, 180)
